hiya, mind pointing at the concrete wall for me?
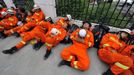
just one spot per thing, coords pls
(48, 6)
(9, 3)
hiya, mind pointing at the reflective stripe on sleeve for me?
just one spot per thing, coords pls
(11, 31)
(70, 58)
(75, 64)
(23, 42)
(47, 44)
(105, 45)
(122, 66)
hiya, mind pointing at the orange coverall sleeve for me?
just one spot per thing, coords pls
(42, 16)
(38, 16)
(61, 21)
(62, 35)
(29, 19)
(74, 35)
(45, 24)
(127, 50)
(89, 39)
(105, 38)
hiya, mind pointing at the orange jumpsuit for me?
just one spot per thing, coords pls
(37, 17)
(127, 52)
(77, 53)
(37, 33)
(11, 31)
(8, 23)
(109, 52)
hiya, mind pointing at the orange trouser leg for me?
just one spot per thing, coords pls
(8, 25)
(27, 36)
(11, 31)
(106, 56)
(25, 39)
(1, 27)
(128, 72)
(26, 27)
(82, 62)
(39, 33)
(127, 61)
(112, 58)
(49, 42)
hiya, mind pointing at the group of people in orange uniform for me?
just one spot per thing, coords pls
(40, 29)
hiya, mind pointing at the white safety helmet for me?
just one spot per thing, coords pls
(69, 17)
(126, 30)
(19, 23)
(10, 11)
(36, 7)
(3, 13)
(47, 17)
(54, 31)
(82, 33)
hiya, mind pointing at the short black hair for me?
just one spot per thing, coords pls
(86, 22)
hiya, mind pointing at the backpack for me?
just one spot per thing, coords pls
(99, 31)
(130, 39)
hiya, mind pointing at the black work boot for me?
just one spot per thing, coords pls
(63, 62)
(10, 51)
(48, 52)
(108, 72)
(38, 45)
(4, 36)
(1, 34)
(16, 34)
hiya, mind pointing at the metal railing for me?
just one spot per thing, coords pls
(2, 3)
(27, 4)
(117, 14)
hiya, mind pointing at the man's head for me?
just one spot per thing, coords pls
(36, 8)
(86, 25)
(82, 33)
(12, 8)
(68, 17)
(48, 19)
(124, 34)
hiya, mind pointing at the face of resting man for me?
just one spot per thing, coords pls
(86, 26)
(123, 36)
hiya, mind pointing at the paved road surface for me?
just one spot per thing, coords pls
(30, 62)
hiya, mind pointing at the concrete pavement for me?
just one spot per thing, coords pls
(30, 62)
